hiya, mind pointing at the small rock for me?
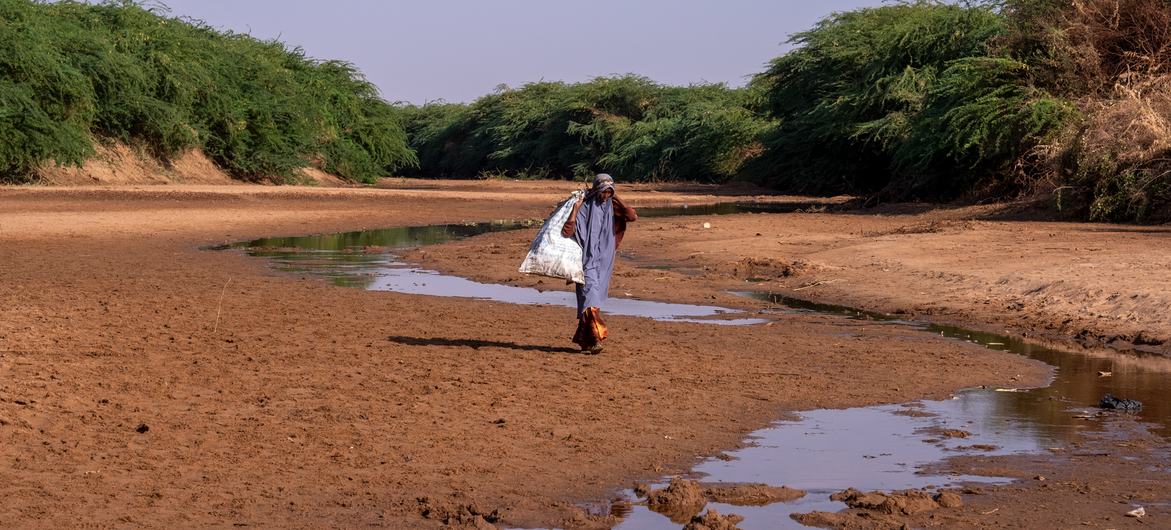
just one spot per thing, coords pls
(641, 490)
(707, 225)
(1137, 512)
(142, 428)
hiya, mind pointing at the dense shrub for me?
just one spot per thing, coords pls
(72, 73)
(627, 125)
(904, 99)
(915, 99)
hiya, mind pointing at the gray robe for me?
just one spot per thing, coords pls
(595, 234)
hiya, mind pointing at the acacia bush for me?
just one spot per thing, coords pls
(906, 100)
(626, 125)
(74, 73)
(911, 100)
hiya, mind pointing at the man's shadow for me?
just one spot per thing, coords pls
(477, 344)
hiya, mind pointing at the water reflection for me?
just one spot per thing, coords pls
(365, 260)
(1076, 383)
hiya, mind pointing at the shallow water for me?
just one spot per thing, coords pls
(1134, 375)
(869, 448)
(823, 451)
(366, 260)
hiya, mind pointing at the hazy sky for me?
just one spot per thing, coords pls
(457, 50)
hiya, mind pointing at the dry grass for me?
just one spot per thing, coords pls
(1133, 127)
(1114, 42)
(1115, 61)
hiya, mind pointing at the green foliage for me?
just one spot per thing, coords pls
(70, 72)
(978, 119)
(626, 125)
(902, 98)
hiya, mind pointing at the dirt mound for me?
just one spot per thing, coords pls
(681, 500)
(712, 520)
(750, 494)
(315, 177)
(458, 515)
(849, 521)
(120, 164)
(877, 510)
(907, 502)
(770, 268)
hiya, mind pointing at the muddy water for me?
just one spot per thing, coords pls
(883, 447)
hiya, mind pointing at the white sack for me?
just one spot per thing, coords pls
(553, 254)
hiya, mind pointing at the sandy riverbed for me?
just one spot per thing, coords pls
(276, 400)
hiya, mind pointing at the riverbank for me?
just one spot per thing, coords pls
(280, 400)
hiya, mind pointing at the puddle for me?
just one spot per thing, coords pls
(366, 260)
(888, 447)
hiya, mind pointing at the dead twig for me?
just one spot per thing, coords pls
(220, 306)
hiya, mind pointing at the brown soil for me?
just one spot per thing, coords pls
(276, 400)
(120, 164)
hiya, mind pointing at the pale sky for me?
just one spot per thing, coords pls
(458, 50)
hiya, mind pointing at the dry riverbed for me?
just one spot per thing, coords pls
(147, 382)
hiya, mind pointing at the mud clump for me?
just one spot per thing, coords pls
(877, 510)
(680, 501)
(978, 447)
(750, 494)
(913, 413)
(907, 502)
(948, 499)
(849, 521)
(460, 515)
(770, 268)
(946, 433)
(712, 520)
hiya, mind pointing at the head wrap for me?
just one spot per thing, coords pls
(603, 182)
